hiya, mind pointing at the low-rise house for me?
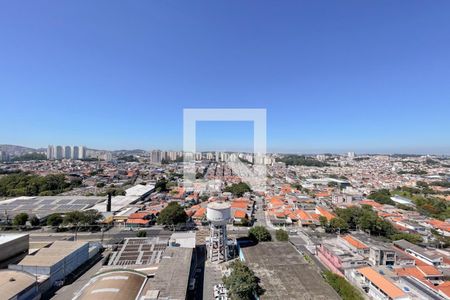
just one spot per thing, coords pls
(337, 257)
(440, 226)
(376, 284)
(325, 212)
(355, 245)
(430, 257)
(382, 255)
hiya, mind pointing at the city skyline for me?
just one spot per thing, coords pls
(121, 79)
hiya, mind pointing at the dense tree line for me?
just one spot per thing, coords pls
(238, 189)
(365, 219)
(413, 172)
(25, 184)
(342, 286)
(128, 158)
(79, 219)
(426, 202)
(441, 183)
(30, 156)
(301, 160)
(382, 196)
(173, 214)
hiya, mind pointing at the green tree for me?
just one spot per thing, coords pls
(301, 160)
(34, 221)
(25, 184)
(323, 221)
(100, 184)
(82, 218)
(259, 234)
(282, 235)
(31, 156)
(342, 287)
(382, 196)
(73, 218)
(238, 189)
(412, 238)
(172, 214)
(141, 233)
(91, 217)
(242, 284)
(115, 191)
(54, 220)
(161, 185)
(338, 224)
(20, 219)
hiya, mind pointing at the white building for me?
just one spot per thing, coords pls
(67, 152)
(59, 152)
(156, 156)
(82, 152)
(75, 152)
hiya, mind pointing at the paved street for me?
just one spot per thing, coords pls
(95, 236)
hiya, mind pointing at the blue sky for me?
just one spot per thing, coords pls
(334, 76)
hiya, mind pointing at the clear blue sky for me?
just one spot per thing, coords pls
(334, 76)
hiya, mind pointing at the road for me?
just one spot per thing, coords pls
(94, 236)
(259, 213)
(200, 259)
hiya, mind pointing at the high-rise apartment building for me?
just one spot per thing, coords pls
(4, 156)
(59, 152)
(75, 152)
(156, 156)
(82, 152)
(67, 152)
(51, 152)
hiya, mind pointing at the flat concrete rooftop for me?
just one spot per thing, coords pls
(47, 257)
(171, 278)
(285, 274)
(14, 282)
(5, 238)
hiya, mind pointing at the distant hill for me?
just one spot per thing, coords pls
(128, 152)
(17, 150)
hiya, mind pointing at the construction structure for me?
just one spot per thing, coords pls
(218, 215)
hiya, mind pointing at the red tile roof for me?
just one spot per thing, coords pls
(239, 214)
(200, 213)
(354, 242)
(439, 224)
(138, 215)
(382, 282)
(137, 221)
(371, 203)
(324, 212)
(444, 288)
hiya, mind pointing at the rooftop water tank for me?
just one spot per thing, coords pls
(218, 213)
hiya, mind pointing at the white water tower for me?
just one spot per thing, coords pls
(218, 214)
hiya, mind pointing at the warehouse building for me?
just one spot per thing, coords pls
(145, 268)
(114, 284)
(42, 206)
(55, 262)
(13, 245)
